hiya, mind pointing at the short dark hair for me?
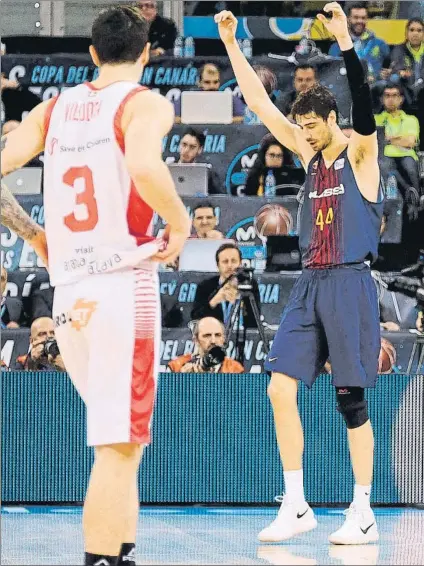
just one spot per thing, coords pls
(227, 246)
(305, 67)
(206, 204)
(414, 21)
(317, 99)
(356, 6)
(200, 136)
(119, 34)
(391, 86)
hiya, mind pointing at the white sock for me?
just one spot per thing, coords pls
(293, 481)
(361, 496)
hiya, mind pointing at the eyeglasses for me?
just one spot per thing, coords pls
(275, 155)
(148, 5)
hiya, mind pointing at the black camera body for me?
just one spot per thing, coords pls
(51, 348)
(244, 276)
(212, 358)
(411, 282)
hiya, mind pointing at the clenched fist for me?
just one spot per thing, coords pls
(227, 26)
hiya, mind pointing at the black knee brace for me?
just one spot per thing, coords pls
(351, 403)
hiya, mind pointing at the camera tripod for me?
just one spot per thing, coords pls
(234, 322)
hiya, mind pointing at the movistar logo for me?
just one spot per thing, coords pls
(328, 192)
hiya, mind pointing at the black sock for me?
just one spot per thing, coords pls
(127, 555)
(100, 560)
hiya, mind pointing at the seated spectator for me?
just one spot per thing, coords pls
(191, 147)
(407, 60)
(12, 310)
(44, 353)
(370, 48)
(401, 137)
(210, 80)
(163, 31)
(205, 221)
(208, 333)
(305, 76)
(272, 156)
(216, 301)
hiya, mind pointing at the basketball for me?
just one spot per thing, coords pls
(273, 220)
(387, 357)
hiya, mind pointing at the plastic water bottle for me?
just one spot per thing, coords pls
(270, 184)
(391, 187)
(189, 50)
(178, 47)
(247, 48)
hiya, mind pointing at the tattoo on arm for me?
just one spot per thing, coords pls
(13, 216)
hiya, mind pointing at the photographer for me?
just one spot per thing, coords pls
(215, 299)
(44, 353)
(209, 355)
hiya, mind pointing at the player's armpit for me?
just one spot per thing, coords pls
(363, 156)
(26, 142)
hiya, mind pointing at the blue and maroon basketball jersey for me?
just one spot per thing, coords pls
(337, 224)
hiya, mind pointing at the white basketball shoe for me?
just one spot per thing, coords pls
(291, 520)
(360, 527)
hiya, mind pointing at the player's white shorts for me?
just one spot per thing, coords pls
(108, 332)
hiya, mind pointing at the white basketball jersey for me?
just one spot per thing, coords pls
(94, 218)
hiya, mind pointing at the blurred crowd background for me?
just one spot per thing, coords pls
(239, 183)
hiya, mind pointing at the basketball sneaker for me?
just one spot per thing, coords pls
(291, 520)
(360, 527)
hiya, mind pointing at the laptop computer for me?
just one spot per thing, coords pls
(199, 255)
(204, 107)
(25, 181)
(191, 179)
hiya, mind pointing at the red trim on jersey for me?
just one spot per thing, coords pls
(48, 115)
(143, 389)
(139, 217)
(139, 214)
(117, 122)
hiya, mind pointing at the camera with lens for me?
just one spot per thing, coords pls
(244, 276)
(213, 357)
(51, 348)
(411, 282)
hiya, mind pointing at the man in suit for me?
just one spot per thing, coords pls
(213, 299)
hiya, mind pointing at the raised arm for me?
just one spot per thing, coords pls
(255, 94)
(148, 119)
(363, 145)
(17, 148)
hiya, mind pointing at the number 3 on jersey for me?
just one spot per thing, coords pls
(329, 217)
(85, 198)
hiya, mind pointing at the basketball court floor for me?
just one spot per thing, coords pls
(209, 535)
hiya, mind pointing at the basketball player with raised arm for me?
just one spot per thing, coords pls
(104, 178)
(333, 308)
